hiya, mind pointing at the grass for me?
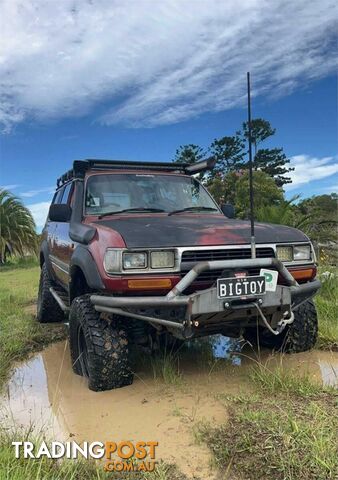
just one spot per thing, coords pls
(187, 417)
(279, 438)
(286, 429)
(20, 334)
(282, 380)
(165, 366)
(327, 308)
(19, 262)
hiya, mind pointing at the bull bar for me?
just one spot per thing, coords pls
(204, 305)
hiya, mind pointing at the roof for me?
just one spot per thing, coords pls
(80, 167)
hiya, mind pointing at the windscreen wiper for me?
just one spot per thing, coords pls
(192, 209)
(135, 209)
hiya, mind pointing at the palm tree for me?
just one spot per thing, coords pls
(312, 223)
(17, 227)
(284, 213)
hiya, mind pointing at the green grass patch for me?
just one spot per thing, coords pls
(327, 308)
(281, 438)
(20, 333)
(166, 368)
(279, 379)
(19, 262)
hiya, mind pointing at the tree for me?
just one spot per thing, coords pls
(321, 211)
(234, 188)
(190, 153)
(327, 204)
(266, 193)
(17, 227)
(223, 189)
(284, 213)
(260, 130)
(273, 161)
(229, 154)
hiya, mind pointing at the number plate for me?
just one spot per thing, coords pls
(240, 286)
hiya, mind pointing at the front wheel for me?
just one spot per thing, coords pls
(99, 347)
(299, 336)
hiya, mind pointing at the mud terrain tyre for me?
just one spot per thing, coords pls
(300, 336)
(48, 309)
(98, 347)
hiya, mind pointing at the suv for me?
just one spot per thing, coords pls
(141, 253)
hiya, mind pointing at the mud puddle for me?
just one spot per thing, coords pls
(45, 393)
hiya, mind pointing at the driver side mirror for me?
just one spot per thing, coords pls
(59, 212)
(228, 210)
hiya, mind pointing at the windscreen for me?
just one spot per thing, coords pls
(116, 192)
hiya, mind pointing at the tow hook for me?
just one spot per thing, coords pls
(285, 321)
(281, 324)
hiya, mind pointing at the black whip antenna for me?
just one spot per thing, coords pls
(252, 220)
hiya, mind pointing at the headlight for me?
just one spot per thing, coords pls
(302, 252)
(112, 261)
(284, 253)
(162, 259)
(293, 253)
(119, 261)
(134, 260)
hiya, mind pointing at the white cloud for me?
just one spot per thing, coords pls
(10, 187)
(39, 212)
(33, 193)
(309, 169)
(148, 63)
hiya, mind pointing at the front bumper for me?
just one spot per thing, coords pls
(203, 311)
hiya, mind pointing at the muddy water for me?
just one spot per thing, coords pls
(44, 391)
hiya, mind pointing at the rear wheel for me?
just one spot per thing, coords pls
(48, 309)
(99, 347)
(299, 336)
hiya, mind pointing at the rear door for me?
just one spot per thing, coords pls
(63, 247)
(52, 229)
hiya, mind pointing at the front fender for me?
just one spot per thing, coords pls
(83, 259)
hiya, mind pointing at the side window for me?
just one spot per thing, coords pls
(66, 193)
(58, 196)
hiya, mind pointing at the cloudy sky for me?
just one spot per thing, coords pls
(134, 79)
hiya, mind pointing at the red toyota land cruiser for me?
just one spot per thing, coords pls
(136, 252)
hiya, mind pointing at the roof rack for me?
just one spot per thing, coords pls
(81, 166)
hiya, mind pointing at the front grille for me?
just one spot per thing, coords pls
(231, 254)
(191, 257)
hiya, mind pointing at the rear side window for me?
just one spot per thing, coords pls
(63, 195)
(58, 196)
(66, 193)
